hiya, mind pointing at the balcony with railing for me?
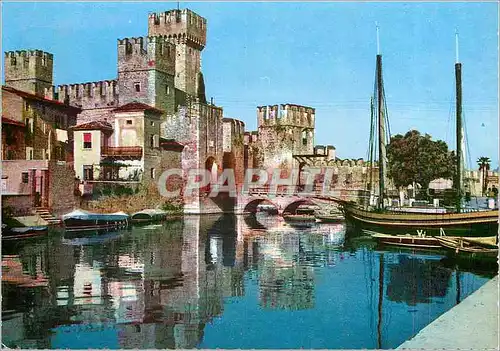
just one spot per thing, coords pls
(132, 152)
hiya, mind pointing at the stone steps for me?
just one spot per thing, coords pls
(45, 214)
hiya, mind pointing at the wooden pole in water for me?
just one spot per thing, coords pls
(380, 300)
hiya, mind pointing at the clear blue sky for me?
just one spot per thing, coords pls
(316, 54)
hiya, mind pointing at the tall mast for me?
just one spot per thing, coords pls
(458, 84)
(381, 127)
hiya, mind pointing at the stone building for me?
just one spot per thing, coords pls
(283, 131)
(130, 151)
(163, 71)
(37, 141)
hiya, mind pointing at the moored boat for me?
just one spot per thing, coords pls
(405, 240)
(333, 218)
(79, 220)
(486, 248)
(17, 233)
(300, 220)
(378, 217)
(148, 216)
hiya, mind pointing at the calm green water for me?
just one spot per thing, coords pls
(222, 282)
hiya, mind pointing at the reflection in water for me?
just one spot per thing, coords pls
(416, 280)
(220, 281)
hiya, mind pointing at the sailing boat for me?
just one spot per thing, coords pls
(459, 222)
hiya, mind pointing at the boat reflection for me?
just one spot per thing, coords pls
(164, 286)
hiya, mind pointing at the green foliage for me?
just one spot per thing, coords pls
(484, 166)
(170, 207)
(417, 158)
(201, 88)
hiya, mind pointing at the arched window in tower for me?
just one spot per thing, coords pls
(304, 137)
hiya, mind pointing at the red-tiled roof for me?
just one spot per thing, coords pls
(30, 96)
(137, 106)
(12, 121)
(94, 125)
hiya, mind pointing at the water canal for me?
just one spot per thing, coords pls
(223, 282)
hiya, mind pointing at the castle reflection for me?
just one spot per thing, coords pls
(159, 286)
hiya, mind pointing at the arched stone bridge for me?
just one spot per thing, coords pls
(286, 203)
(283, 201)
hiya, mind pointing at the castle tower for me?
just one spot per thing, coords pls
(146, 68)
(29, 71)
(188, 31)
(285, 130)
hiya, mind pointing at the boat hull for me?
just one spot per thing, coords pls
(474, 224)
(300, 220)
(24, 232)
(458, 246)
(410, 241)
(330, 219)
(80, 225)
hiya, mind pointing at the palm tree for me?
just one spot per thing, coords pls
(484, 166)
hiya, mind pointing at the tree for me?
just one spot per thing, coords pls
(484, 167)
(417, 158)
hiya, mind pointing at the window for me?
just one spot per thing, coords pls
(167, 90)
(137, 86)
(44, 61)
(304, 138)
(152, 140)
(29, 153)
(161, 49)
(335, 179)
(13, 61)
(152, 124)
(129, 121)
(26, 63)
(29, 124)
(88, 172)
(25, 177)
(87, 140)
(153, 173)
(26, 106)
(348, 178)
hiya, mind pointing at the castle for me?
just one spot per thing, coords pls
(155, 114)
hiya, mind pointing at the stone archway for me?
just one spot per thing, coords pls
(211, 166)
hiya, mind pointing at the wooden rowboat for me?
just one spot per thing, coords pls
(405, 240)
(486, 248)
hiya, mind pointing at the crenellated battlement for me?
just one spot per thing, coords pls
(182, 26)
(146, 53)
(236, 126)
(88, 95)
(286, 115)
(28, 53)
(29, 70)
(251, 138)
